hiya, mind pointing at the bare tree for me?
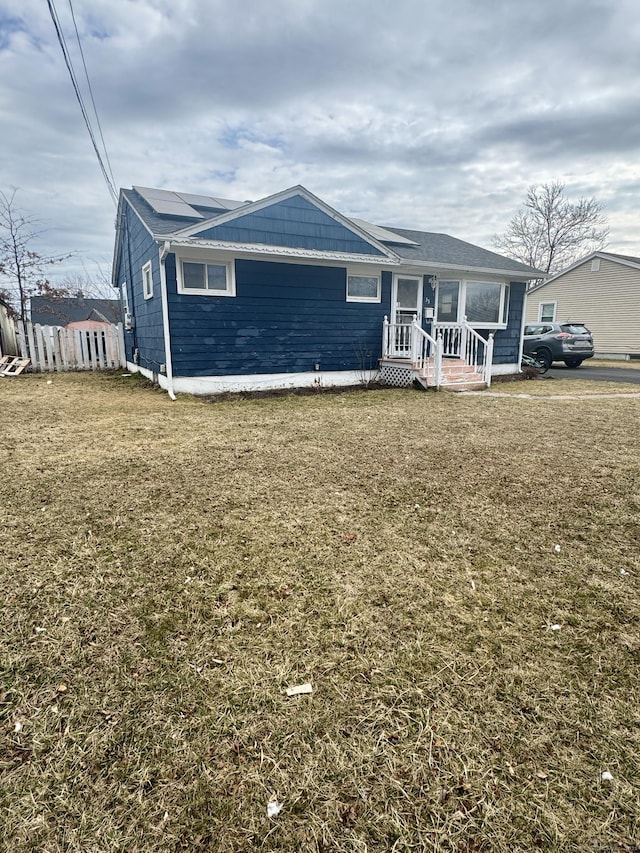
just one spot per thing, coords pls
(22, 268)
(550, 232)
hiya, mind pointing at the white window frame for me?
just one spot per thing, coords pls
(595, 265)
(205, 291)
(125, 297)
(147, 280)
(503, 309)
(362, 274)
(542, 319)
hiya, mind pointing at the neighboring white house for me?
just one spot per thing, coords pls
(603, 292)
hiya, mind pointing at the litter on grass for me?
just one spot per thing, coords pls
(624, 572)
(557, 549)
(274, 808)
(17, 728)
(606, 776)
(556, 627)
(299, 689)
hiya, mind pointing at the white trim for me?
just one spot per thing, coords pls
(201, 385)
(229, 266)
(463, 283)
(394, 294)
(124, 295)
(362, 274)
(434, 267)
(162, 254)
(555, 309)
(605, 256)
(147, 269)
(283, 252)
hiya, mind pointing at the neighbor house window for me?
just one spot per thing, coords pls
(147, 281)
(211, 278)
(547, 312)
(363, 288)
(595, 265)
(486, 303)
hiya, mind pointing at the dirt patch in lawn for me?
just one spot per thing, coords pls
(456, 577)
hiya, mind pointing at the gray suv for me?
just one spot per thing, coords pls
(549, 342)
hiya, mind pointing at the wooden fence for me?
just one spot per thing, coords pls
(51, 348)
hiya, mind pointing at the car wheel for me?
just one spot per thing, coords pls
(573, 362)
(545, 359)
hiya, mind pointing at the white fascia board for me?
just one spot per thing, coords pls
(119, 215)
(618, 260)
(435, 268)
(255, 206)
(605, 256)
(283, 252)
(118, 241)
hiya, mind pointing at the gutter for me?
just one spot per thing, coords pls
(163, 252)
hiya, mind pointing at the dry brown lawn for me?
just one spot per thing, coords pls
(169, 569)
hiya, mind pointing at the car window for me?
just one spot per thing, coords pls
(533, 330)
(575, 329)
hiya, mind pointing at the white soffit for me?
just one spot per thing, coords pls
(382, 234)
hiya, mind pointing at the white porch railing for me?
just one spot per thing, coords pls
(425, 352)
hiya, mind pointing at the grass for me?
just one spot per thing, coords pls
(169, 569)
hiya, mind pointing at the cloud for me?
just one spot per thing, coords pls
(436, 115)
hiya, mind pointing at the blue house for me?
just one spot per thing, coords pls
(222, 295)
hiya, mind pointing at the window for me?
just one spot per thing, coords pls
(363, 288)
(147, 280)
(448, 298)
(486, 303)
(125, 297)
(210, 278)
(595, 265)
(547, 312)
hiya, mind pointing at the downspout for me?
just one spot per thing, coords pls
(163, 252)
(522, 324)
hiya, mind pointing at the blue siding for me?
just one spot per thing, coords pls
(295, 223)
(147, 337)
(506, 342)
(285, 318)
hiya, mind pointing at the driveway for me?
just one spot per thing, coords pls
(597, 373)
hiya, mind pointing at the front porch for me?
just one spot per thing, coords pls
(454, 357)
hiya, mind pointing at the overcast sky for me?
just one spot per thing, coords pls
(427, 114)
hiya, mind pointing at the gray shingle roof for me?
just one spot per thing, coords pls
(443, 249)
(432, 248)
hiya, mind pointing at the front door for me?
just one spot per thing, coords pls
(406, 306)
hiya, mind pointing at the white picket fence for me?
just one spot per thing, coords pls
(51, 348)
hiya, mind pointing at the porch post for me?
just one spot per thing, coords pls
(385, 337)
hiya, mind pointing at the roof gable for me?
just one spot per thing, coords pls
(623, 260)
(293, 219)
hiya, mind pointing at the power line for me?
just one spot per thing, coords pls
(76, 88)
(95, 109)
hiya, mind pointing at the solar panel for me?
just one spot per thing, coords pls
(210, 201)
(382, 234)
(167, 203)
